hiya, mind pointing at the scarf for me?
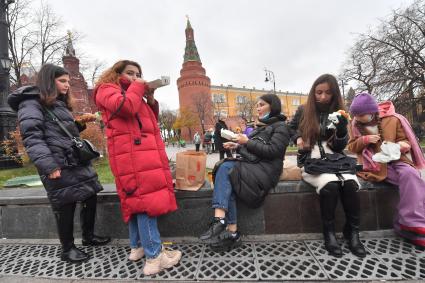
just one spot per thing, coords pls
(387, 109)
(124, 83)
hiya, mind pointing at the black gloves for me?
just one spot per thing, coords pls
(341, 127)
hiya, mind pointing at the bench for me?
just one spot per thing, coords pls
(291, 207)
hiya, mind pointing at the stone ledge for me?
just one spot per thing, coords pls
(292, 207)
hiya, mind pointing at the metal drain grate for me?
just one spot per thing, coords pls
(290, 269)
(213, 269)
(350, 267)
(407, 267)
(281, 249)
(387, 259)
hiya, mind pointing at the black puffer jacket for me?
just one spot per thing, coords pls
(336, 144)
(218, 140)
(50, 149)
(252, 181)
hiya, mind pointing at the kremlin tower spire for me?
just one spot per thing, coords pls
(194, 88)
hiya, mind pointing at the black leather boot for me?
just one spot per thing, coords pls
(331, 243)
(87, 218)
(64, 216)
(351, 204)
(74, 255)
(215, 228)
(329, 196)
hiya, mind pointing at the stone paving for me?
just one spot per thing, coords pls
(389, 258)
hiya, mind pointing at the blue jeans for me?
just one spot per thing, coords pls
(223, 196)
(144, 233)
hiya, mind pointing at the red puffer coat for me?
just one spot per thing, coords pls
(136, 151)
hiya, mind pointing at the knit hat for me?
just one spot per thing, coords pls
(275, 104)
(363, 103)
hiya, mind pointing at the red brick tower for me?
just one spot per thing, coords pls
(194, 88)
(78, 83)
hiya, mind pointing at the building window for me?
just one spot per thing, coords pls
(241, 99)
(296, 102)
(220, 113)
(219, 98)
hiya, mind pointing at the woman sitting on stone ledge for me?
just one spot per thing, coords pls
(249, 177)
(373, 125)
(309, 127)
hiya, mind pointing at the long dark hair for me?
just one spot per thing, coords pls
(309, 126)
(47, 86)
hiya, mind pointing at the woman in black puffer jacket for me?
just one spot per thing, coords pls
(251, 177)
(50, 149)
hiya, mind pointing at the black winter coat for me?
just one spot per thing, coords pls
(252, 181)
(49, 148)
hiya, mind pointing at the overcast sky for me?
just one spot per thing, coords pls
(297, 40)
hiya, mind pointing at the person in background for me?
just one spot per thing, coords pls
(197, 140)
(66, 180)
(138, 161)
(219, 140)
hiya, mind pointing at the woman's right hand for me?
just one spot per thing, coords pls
(300, 143)
(55, 174)
(373, 138)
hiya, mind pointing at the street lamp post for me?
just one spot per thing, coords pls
(270, 78)
(7, 116)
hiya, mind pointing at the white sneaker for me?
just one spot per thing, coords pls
(136, 254)
(166, 259)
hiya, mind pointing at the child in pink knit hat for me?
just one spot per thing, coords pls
(372, 125)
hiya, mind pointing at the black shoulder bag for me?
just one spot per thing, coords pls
(83, 149)
(332, 163)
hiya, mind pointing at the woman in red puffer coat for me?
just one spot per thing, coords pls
(138, 160)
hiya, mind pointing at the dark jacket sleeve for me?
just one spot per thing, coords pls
(294, 124)
(31, 125)
(339, 144)
(275, 148)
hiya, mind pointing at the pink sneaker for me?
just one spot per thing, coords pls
(166, 259)
(136, 254)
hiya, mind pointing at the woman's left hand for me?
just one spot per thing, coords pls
(149, 96)
(241, 139)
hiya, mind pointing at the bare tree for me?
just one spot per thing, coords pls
(21, 37)
(390, 61)
(166, 119)
(246, 106)
(202, 106)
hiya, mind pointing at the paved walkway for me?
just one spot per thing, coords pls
(389, 258)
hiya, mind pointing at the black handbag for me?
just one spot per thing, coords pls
(83, 149)
(332, 163)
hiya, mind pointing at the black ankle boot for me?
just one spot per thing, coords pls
(227, 241)
(88, 216)
(331, 243)
(96, 241)
(217, 226)
(74, 255)
(351, 234)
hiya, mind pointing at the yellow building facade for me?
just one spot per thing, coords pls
(232, 102)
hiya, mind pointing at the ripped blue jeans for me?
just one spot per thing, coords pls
(223, 195)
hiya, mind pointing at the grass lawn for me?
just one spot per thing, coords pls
(101, 167)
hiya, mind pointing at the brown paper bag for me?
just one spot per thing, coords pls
(290, 171)
(190, 170)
